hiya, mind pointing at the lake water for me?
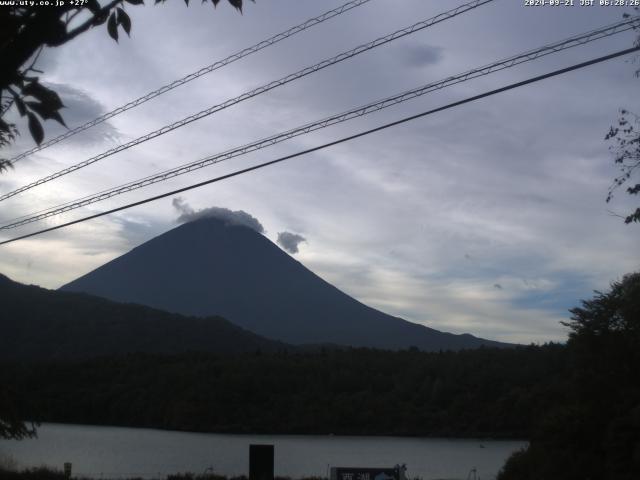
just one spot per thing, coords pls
(113, 452)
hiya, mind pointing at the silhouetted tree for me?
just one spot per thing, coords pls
(626, 149)
(616, 312)
(12, 425)
(593, 429)
(625, 138)
(25, 30)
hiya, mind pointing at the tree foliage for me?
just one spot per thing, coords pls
(12, 412)
(594, 432)
(25, 30)
(484, 392)
(616, 312)
(626, 150)
(625, 147)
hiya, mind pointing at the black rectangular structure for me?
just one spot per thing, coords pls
(260, 462)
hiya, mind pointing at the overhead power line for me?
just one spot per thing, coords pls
(258, 91)
(328, 121)
(192, 76)
(335, 142)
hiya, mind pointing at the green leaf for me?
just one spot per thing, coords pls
(44, 94)
(4, 126)
(35, 89)
(58, 118)
(35, 128)
(5, 164)
(37, 107)
(237, 4)
(20, 104)
(124, 20)
(46, 113)
(112, 26)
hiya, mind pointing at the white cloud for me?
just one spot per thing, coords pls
(238, 217)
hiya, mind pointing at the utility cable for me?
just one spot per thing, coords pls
(258, 91)
(192, 76)
(330, 144)
(323, 123)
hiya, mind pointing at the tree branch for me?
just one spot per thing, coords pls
(91, 21)
(35, 59)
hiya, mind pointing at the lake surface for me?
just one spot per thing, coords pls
(113, 452)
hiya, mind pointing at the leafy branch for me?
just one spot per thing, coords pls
(24, 32)
(626, 149)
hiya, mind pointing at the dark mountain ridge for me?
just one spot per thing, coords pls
(41, 324)
(211, 267)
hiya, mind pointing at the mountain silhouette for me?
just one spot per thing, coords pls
(212, 267)
(40, 324)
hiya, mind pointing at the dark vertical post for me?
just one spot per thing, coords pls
(67, 470)
(260, 462)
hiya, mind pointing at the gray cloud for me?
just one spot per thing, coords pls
(48, 60)
(231, 217)
(80, 108)
(183, 207)
(421, 55)
(290, 241)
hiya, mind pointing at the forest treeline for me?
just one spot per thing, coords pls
(484, 392)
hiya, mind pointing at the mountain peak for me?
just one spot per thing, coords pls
(225, 215)
(211, 266)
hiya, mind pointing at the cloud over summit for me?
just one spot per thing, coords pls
(287, 240)
(230, 217)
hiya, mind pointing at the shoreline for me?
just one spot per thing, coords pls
(495, 438)
(105, 452)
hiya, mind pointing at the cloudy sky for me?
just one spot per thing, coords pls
(489, 218)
